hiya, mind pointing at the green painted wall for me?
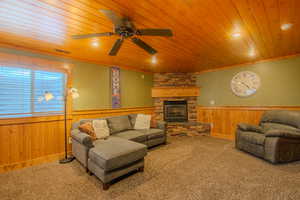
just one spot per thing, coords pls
(93, 84)
(280, 85)
(136, 89)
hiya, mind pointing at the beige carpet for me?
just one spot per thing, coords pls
(188, 168)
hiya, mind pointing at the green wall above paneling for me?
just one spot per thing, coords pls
(93, 84)
(136, 89)
(280, 85)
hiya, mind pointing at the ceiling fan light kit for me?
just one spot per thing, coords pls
(125, 28)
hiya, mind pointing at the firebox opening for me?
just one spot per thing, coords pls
(175, 111)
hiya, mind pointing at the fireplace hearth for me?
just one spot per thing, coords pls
(175, 111)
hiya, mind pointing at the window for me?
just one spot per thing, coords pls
(22, 91)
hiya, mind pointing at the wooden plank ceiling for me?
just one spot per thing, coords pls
(202, 30)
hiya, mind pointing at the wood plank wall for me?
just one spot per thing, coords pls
(35, 140)
(225, 119)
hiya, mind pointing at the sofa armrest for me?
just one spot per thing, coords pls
(161, 125)
(285, 133)
(250, 127)
(82, 138)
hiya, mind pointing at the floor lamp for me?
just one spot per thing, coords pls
(74, 94)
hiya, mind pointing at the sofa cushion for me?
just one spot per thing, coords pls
(153, 133)
(115, 152)
(269, 126)
(118, 124)
(134, 135)
(252, 137)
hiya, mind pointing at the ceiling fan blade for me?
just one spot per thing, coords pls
(114, 50)
(155, 32)
(143, 45)
(92, 35)
(115, 18)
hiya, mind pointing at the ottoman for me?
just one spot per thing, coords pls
(114, 157)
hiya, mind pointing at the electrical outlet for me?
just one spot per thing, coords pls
(70, 140)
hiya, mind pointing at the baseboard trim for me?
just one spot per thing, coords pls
(33, 162)
(222, 136)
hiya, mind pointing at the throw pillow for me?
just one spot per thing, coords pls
(101, 129)
(88, 129)
(142, 121)
(153, 123)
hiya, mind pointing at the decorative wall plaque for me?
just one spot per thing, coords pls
(115, 87)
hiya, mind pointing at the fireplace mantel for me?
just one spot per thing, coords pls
(175, 91)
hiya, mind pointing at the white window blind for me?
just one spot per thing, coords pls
(22, 91)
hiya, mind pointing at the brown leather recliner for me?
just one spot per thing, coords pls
(276, 139)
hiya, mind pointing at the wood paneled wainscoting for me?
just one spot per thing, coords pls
(224, 119)
(30, 141)
(35, 140)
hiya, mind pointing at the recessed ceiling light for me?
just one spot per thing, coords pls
(285, 27)
(95, 43)
(154, 60)
(236, 35)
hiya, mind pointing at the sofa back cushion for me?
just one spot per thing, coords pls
(286, 117)
(118, 124)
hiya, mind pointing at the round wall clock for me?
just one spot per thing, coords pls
(245, 83)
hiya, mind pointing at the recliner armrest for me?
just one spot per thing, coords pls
(82, 138)
(250, 127)
(285, 133)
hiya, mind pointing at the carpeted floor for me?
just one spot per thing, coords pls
(188, 168)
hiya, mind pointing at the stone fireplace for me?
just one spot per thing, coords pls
(172, 106)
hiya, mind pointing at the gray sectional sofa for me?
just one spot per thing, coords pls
(122, 152)
(276, 139)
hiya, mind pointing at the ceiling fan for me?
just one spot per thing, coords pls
(125, 28)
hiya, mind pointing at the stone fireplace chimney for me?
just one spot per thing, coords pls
(177, 87)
